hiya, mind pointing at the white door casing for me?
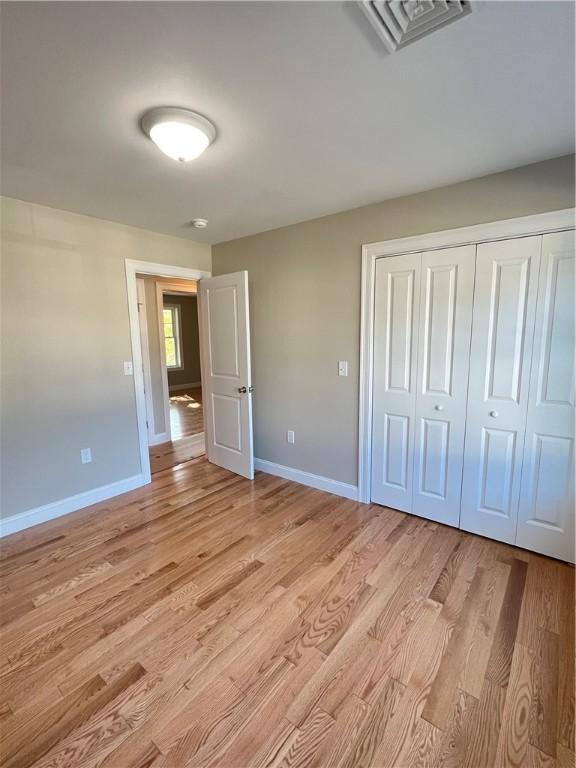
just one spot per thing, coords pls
(546, 511)
(143, 320)
(226, 375)
(397, 293)
(447, 286)
(501, 350)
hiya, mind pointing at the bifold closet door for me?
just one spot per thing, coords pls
(396, 304)
(546, 512)
(445, 319)
(501, 350)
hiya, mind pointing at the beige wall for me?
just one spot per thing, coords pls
(190, 374)
(65, 335)
(305, 304)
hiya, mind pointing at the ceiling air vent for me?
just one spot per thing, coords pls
(401, 22)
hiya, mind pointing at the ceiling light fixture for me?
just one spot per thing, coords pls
(181, 134)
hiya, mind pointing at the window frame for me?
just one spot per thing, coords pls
(176, 335)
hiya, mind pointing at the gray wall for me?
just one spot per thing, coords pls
(65, 335)
(305, 304)
(190, 340)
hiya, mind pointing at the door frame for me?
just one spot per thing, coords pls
(132, 268)
(541, 223)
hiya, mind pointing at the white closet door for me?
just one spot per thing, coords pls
(502, 334)
(394, 388)
(444, 354)
(546, 513)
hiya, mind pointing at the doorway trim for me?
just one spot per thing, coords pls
(134, 267)
(554, 221)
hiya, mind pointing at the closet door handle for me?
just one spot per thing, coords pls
(438, 407)
(494, 414)
(242, 390)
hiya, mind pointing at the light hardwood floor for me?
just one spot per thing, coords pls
(186, 416)
(211, 621)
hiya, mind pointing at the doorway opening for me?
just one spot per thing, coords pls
(170, 344)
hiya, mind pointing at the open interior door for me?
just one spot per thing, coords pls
(226, 376)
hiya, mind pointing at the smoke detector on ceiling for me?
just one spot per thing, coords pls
(401, 22)
(199, 223)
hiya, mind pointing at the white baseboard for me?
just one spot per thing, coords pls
(31, 517)
(162, 437)
(180, 387)
(307, 478)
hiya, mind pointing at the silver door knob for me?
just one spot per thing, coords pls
(493, 414)
(250, 389)
(438, 407)
(242, 390)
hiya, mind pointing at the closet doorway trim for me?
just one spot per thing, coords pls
(554, 221)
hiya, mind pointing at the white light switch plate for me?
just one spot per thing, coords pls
(342, 367)
(128, 368)
(290, 436)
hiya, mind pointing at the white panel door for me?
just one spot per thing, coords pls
(447, 285)
(502, 335)
(226, 377)
(397, 290)
(546, 513)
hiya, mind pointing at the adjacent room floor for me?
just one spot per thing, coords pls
(186, 416)
(187, 427)
(207, 620)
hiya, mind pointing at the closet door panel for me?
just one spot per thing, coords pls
(397, 288)
(443, 361)
(501, 349)
(546, 513)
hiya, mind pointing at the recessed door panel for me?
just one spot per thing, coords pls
(497, 455)
(395, 469)
(400, 289)
(447, 285)
(501, 352)
(507, 312)
(438, 326)
(434, 465)
(227, 422)
(223, 331)
(397, 287)
(546, 512)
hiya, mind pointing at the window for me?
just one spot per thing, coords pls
(172, 336)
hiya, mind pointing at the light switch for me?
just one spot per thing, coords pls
(290, 436)
(128, 368)
(342, 367)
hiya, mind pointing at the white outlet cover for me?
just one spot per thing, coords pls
(85, 455)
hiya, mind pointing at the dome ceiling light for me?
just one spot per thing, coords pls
(181, 134)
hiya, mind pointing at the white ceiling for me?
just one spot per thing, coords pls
(313, 116)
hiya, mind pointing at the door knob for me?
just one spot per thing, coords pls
(242, 390)
(250, 389)
(493, 414)
(438, 407)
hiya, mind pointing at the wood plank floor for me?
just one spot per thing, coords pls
(186, 417)
(166, 455)
(206, 620)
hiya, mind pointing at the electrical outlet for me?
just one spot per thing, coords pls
(85, 455)
(290, 436)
